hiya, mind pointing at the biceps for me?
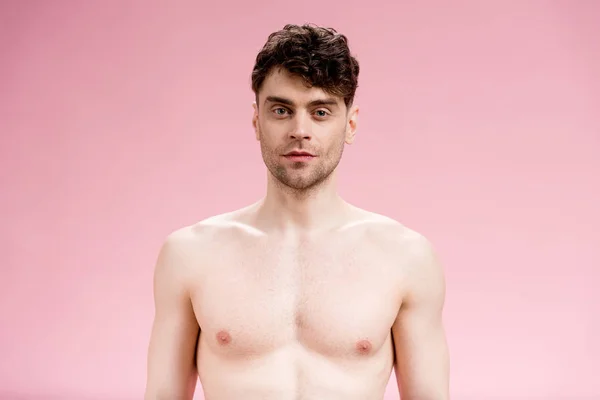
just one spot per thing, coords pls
(421, 353)
(173, 337)
(171, 351)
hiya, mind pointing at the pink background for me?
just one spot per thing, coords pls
(479, 127)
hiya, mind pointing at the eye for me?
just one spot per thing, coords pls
(279, 111)
(322, 113)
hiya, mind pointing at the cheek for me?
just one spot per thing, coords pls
(275, 138)
(269, 143)
(337, 141)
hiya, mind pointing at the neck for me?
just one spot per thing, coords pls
(301, 211)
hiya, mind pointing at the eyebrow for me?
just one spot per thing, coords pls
(319, 102)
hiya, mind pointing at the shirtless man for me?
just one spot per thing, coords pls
(300, 295)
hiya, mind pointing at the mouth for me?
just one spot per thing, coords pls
(299, 156)
(299, 153)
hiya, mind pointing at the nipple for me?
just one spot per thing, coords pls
(223, 337)
(363, 346)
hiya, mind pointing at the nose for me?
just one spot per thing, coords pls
(302, 127)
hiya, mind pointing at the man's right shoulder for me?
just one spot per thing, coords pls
(187, 248)
(205, 234)
(193, 235)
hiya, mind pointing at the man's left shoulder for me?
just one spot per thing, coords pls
(417, 258)
(389, 229)
(400, 239)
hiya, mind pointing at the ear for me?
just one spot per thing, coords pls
(351, 124)
(255, 123)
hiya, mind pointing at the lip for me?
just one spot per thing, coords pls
(298, 153)
(299, 156)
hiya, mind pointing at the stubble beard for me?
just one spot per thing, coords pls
(302, 178)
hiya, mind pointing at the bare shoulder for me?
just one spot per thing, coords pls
(175, 260)
(419, 262)
(411, 250)
(190, 244)
(389, 231)
(183, 256)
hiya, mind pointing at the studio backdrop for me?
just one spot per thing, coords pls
(479, 126)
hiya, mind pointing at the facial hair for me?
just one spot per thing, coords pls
(302, 177)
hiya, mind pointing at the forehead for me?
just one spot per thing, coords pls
(280, 83)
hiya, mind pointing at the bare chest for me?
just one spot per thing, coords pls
(335, 299)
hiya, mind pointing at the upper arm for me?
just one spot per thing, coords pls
(171, 351)
(422, 359)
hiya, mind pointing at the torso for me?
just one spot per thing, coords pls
(308, 318)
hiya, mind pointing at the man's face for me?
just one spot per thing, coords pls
(302, 131)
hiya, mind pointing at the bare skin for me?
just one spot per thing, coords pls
(300, 295)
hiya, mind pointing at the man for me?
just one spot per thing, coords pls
(300, 295)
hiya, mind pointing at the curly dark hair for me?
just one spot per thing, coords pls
(320, 56)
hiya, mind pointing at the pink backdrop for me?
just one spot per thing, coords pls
(121, 121)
